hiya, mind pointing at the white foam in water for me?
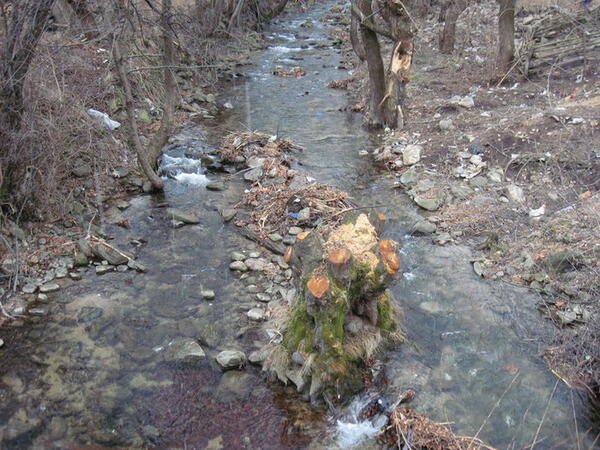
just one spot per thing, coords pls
(409, 275)
(179, 161)
(351, 434)
(282, 49)
(198, 179)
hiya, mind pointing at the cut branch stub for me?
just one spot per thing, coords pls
(339, 263)
(318, 285)
(389, 256)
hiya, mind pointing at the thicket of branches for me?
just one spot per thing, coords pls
(58, 58)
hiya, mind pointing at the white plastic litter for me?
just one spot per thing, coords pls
(104, 120)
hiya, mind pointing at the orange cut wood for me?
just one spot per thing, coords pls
(387, 245)
(391, 261)
(339, 256)
(380, 215)
(302, 235)
(318, 285)
(289, 252)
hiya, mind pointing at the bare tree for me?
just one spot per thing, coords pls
(147, 157)
(450, 13)
(386, 88)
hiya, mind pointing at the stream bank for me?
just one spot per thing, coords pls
(93, 369)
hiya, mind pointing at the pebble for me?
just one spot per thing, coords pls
(42, 297)
(37, 312)
(446, 124)
(254, 255)
(1, 343)
(207, 294)
(275, 237)
(61, 272)
(29, 288)
(228, 214)
(256, 314)
(240, 266)
(237, 256)
(263, 298)
(294, 231)
(49, 287)
(411, 154)
(215, 186)
(425, 227)
(122, 268)
(252, 288)
(231, 359)
(122, 205)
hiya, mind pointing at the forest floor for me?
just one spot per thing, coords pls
(512, 170)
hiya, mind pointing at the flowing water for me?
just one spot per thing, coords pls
(94, 371)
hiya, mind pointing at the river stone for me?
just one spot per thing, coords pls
(134, 265)
(254, 174)
(430, 204)
(61, 272)
(120, 172)
(29, 288)
(446, 124)
(237, 256)
(49, 287)
(275, 237)
(240, 266)
(411, 154)
(101, 270)
(184, 349)
(80, 260)
(294, 231)
(231, 359)
(289, 240)
(228, 214)
(256, 314)
(257, 357)
(256, 264)
(147, 187)
(215, 186)
(183, 216)
(409, 177)
(38, 312)
(82, 171)
(515, 193)
(207, 294)
(263, 297)
(304, 215)
(425, 227)
(566, 317)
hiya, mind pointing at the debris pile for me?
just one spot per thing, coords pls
(408, 429)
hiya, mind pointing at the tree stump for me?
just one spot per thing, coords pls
(344, 313)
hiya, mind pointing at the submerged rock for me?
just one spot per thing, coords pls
(184, 349)
(231, 359)
(183, 216)
(49, 287)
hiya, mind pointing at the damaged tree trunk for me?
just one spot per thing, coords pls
(375, 66)
(345, 311)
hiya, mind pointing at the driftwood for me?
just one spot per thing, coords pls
(560, 39)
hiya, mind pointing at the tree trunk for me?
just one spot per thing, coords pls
(166, 124)
(344, 312)
(357, 45)
(134, 136)
(506, 37)
(451, 15)
(374, 65)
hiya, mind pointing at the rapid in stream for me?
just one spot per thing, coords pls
(93, 371)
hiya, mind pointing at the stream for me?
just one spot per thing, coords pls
(93, 373)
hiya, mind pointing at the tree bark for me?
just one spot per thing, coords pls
(451, 15)
(374, 65)
(357, 45)
(506, 37)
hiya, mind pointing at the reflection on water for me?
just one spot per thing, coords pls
(96, 369)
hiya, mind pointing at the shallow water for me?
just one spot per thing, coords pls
(94, 372)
